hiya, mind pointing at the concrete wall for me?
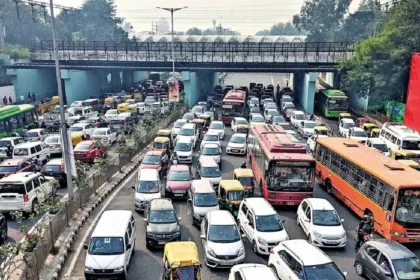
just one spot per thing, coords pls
(79, 85)
(139, 75)
(197, 85)
(358, 103)
(308, 93)
(40, 81)
(8, 91)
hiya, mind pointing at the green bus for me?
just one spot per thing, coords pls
(17, 117)
(332, 102)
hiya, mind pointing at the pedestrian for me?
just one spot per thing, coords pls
(278, 88)
(10, 100)
(33, 97)
(5, 101)
(29, 97)
(22, 98)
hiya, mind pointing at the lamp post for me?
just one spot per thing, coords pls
(63, 125)
(172, 11)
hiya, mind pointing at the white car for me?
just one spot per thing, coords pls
(237, 144)
(184, 149)
(251, 271)
(211, 150)
(312, 141)
(358, 134)
(217, 127)
(53, 142)
(238, 121)
(321, 223)
(270, 105)
(198, 110)
(344, 126)
(253, 101)
(104, 135)
(111, 114)
(256, 118)
(221, 240)
(76, 104)
(149, 100)
(176, 127)
(87, 128)
(34, 135)
(296, 117)
(9, 141)
(285, 105)
(210, 137)
(306, 128)
(378, 144)
(269, 113)
(276, 120)
(189, 130)
(293, 259)
(142, 108)
(267, 100)
(209, 113)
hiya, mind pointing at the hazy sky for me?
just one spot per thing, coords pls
(245, 16)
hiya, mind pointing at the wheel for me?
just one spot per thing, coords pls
(359, 269)
(328, 186)
(254, 247)
(310, 239)
(274, 270)
(297, 221)
(34, 206)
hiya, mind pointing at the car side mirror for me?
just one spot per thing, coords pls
(388, 273)
(283, 221)
(145, 220)
(307, 220)
(345, 273)
(85, 246)
(133, 187)
(179, 219)
(202, 236)
(243, 235)
(246, 222)
(342, 220)
(128, 246)
(189, 200)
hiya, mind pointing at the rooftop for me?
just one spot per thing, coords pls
(153, 153)
(306, 252)
(260, 206)
(55, 161)
(202, 186)
(179, 168)
(393, 249)
(12, 161)
(221, 217)
(161, 204)
(117, 218)
(18, 177)
(320, 204)
(255, 271)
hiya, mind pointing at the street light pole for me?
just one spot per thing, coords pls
(172, 11)
(63, 126)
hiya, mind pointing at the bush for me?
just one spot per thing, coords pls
(15, 51)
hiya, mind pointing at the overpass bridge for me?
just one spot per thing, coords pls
(197, 57)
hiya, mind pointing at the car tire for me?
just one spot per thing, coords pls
(310, 239)
(328, 187)
(254, 247)
(274, 270)
(34, 205)
(359, 269)
(297, 221)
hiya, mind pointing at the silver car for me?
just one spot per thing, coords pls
(34, 135)
(53, 143)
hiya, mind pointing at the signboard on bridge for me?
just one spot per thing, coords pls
(173, 91)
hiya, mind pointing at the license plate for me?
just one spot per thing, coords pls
(161, 242)
(178, 194)
(117, 126)
(330, 242)
(178, 191)
(235, 151)
(225, 263)
(290, 203)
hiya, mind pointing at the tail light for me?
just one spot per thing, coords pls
(62, 168)
(109, 125)
(39, 137)
(96, 124)
(123, 125)
(271, 251)
(43, 169)
(57, 145)
(25, 198)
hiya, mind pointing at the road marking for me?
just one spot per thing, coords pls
(80, 247)
(272, 80)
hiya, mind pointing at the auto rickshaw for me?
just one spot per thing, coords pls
(405, 155)
(411, 163)
(181, 261)
(128, 96)
(322, 130)
(374, 133)
(230, 195)
(207, 118)
(132, 108)
(138, 96)
(110, 101)
(246, 177)
(344, 116)
(199, 123)
(368, 126)
(242, 128)
(122, 107)
(361, 121)
(161, 144)
(77, 137)
(165, 133)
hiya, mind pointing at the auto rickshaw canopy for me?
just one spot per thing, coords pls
(181, 253)
(344, 115)
(243, 172)
(109, 100)
(322, 130)
(164, 132)
(231, 185)
(375, 132)
(161, 139)
(204, 117)
(198, 121)
(411, 163)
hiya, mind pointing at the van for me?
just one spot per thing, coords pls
(93, 102)
(201, 199)
(148, 187)
(111, 246)
(32, 150)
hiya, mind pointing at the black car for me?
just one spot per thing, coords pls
(3, 229)
(97, 122)
(55, 168)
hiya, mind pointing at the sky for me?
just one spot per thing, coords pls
(244, 16)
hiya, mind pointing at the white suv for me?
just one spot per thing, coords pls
(296, 259)
(221, 239)
(321, 223)
(24, 190)
(251, 271)
(261, 224)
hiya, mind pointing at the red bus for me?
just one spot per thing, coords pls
(282, 168)
(233, 105)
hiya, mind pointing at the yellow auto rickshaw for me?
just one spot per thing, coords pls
(230, 194)
(122, 107)
(161, 144)
(109, 101)
(138, 96)
(207, 118)
(165, 133)
(242, 128)
(246, 177)
(368, 127)
(199, 123)
(405, 155)
(344, 116)
(132, 108)
(411, 163)
(374, 133)
(127, 96)
(77, 137)
(181, 261)
(322, 130)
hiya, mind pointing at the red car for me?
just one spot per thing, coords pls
(153, 160)
(179, 181)
(86, 152)
(12, 166)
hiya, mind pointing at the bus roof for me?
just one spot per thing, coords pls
(11, 110)
(384, 168)
(334, 93)
(235, 96)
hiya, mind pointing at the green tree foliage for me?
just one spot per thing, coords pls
(15, 51)
(380, 65)
(194, 31)
(321, 18)
(281, 29)
(264, 32)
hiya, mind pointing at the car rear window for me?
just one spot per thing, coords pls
(52, 168)
(12, 188)
(31, 134)
(82, 147)
(117, 121)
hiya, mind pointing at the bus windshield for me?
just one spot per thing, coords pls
(233, 110)
(337, 104)
(407, 211)
(290, 178)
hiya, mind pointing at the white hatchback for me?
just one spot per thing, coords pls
(312, 141)
(344, 126)
(210, 137)
(217, 127)
(238, 121)
(237, 144)
(111, 114)
(296, 117)
(358, 134)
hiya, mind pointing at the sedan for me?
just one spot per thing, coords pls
(53, 143)
(306, 128)
(277, 120)
(253, 102)
(238, 121)
(82, 127)
(237, 144)
(55, 168)
(256, 119)
(189, 116)
(210, 137)
(209, 113)
(12, 166)
(270, 105)
(178, 181)
(105, 135)
(268, 113)
(217, 127)
(254, 110)
(88, 151)
(96, 122)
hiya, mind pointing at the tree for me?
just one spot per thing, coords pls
(321, 18)
(193, 31)
(264, 32)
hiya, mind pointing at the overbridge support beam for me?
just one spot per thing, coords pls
(196, 85)
(127, 79)
(79, 85)
(115, 84)
(308, 92)
(139, 76)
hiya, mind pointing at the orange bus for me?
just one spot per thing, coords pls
(371, 183)
(282, 168)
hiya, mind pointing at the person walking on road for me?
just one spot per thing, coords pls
(29, 97)
(5, 101)
(22, 98)
(33, 97)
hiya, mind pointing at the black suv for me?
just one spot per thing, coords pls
(162, 223)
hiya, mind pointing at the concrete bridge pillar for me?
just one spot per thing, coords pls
(115, 83)
(139, 76)
(190, 87)
(196, 85)
(215, 81)
(127, 79)
(79, 85)
(329, 78)
(308, 92)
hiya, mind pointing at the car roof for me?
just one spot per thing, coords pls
(212, 133)
(28, 144)
(161, 204)
(347, 120)
(184, 139)
(55, 161)
(148, 174)
(101, 128)
(207, 162)
(79, 124)
(19, 177)
(253, 271)
(376, 141)
(10, 138)
(256, 114)
(298, 112)
(210, 144)
(221, 217)
(86, 142)
(393, 249)
(179, 167)
(13, 161)
(320, 204)
(243, 135)
(357, 129)
(181, 120)
(119, 220)
(307, 253)
(202, 186)
(35, 130)
(240, 118)
(217, 122)
(188, 125)
(260, 206)
(153, 153)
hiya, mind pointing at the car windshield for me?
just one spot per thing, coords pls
(52, 140)
(186, 132)
(286, 126)
(151, 159)
(254, 110)
(254, 101)
(197, 109)
(328, 271)
(300, 117)
(381, 147)
(241, 121)
(211, 137)
(209, 113)
(12, 188)
(148, 186)
(82, 147)
(52, 168)
(271, 106)
(359, 134)
(156, 105)
(289, 105)
(309, 125)
(76, 128)
(268, 223)
(237, 139)
(410, 145)
(112, 112)
(8, 169)
(99, 132)
(210, 172)
(183, 147)
(235, 195)
(4, 143)
(189, 117)
(205, 199)
(278, 119)
(179, 176)
(348, 125)
(273, 113)
(210, 151)
(216, 126)
(31, 134)
(179, 124)
(106, 246)
(407, 268)
(223, 233)
(258, 119)
(268, 100)
(162, 217)
(325, 218)
(246, 181)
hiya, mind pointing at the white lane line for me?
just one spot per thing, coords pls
(272, 80)
(80, 247)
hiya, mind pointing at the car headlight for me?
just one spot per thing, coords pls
(149, 234)
(88, 269)
(343, 235)
(120, 268)
(262, 241)
(196, 215)
(138, 200)
(317, 234)
(176, 234)
(241, 251)
(211, 252)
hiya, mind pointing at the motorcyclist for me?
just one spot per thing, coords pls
(9, 151)
(365, 227)
(174, 158)
(312, 117)
(243, 165)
